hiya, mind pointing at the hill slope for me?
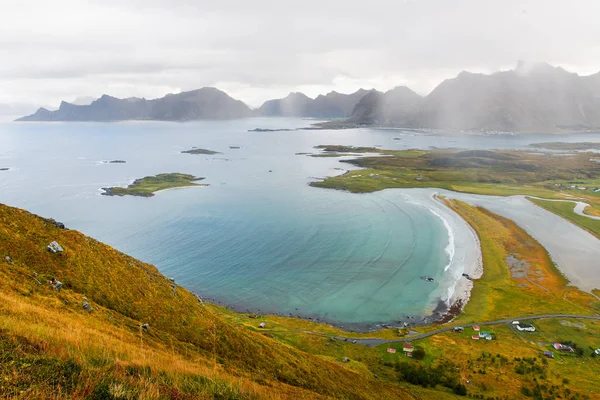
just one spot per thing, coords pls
(53, 348)
(205, 103)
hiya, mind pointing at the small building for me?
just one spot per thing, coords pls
(262, 325)
(515, 322)
(475, 337)
(596, 190)
(458, 329)
(525, 328)
(476, 328)
(407, 347)
(548, 354)
(409, 354)
(391, 350)
(485, 335)
(597, 352)
(562, 347)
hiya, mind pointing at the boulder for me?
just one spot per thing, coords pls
(54, 247)
(87, 307)
(9, 260)
(145, 326)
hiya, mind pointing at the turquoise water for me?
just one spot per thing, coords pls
(259, 237)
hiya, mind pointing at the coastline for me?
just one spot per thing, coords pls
(445, 309)
(462, 288)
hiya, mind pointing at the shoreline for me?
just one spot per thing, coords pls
(444, 311)
(463, 286)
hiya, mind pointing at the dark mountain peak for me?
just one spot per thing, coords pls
(297, 96)
(204, 103)
(64, 105)
(403, 91)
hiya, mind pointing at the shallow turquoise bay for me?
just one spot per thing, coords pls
(254, 239)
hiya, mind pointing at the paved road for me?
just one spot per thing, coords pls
(371, 342)
(579, 206)
(376, 341)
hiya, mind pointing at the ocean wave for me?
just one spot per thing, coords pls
(450, 249)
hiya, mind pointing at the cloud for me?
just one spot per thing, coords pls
(261, 49)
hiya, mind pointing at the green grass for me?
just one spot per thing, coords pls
(497, 294)
(502, 173)
(147, 186)
(190, 350)
(565, 209)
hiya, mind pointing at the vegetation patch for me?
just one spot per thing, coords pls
(197, 150)
(147, 186)
(489, 172)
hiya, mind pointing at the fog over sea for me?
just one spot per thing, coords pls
(259, 237)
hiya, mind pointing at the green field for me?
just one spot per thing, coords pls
(501, 173)
(147, 186)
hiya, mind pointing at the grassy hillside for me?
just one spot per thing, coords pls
(53, 348)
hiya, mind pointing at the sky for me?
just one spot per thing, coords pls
(257, 50)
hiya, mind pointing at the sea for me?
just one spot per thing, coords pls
(258, 238)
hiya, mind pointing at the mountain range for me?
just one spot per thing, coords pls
(205, 103)
(530, 98)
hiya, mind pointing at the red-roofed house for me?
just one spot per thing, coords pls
(476, 328)
(475, 337)
(408, 347)
(391, 350)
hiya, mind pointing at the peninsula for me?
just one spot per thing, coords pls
(147, 186)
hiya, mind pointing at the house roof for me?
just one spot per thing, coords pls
(407, 346)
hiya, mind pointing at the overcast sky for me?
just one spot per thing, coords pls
(258, 49)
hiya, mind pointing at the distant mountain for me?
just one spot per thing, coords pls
(331, 105)
(530, 98)
(205, 103)
(395, 107)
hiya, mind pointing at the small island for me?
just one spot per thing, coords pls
(197, 150)
(117, 162)
(147, 186)
(4, 169)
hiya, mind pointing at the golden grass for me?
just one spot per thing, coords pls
(190, 343)
(501, 294)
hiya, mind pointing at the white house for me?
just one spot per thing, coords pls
(525, 327)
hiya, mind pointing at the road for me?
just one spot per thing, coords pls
(579, 206)
(376, 342)
(371, 342)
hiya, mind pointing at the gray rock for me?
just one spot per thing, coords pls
(9, 260)
(54, 247)
(145, 326)
(87, 307)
